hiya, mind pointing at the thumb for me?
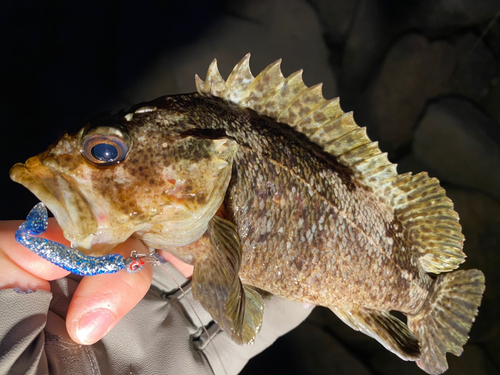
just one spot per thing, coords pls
(101, 301)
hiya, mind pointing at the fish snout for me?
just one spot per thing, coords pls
(61, 196)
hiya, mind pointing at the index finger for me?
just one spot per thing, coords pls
(24, 258)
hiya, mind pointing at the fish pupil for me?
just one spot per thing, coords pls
(104, 152)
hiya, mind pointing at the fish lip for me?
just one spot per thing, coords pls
(61, 197)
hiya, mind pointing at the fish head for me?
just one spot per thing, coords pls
(142, 174)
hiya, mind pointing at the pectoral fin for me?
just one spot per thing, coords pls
(237, 308)
(391, 332)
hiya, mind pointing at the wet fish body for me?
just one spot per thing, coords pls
(262, 183)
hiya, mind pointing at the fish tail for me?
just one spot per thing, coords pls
(443, 323)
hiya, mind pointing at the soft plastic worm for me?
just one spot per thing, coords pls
(67, 257)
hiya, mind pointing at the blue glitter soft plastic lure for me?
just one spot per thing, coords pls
(69, 258)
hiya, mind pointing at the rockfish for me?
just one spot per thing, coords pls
(261, 183)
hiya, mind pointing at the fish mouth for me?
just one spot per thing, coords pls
(62, 197)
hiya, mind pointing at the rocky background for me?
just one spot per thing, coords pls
(422, 76)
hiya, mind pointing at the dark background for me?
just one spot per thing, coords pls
(421, 75)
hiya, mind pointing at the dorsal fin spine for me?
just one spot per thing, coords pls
(324, 113)
(238, 81)
(337, 128)
(263, 86)
(199, 83)
(291, 88)
(298, 108)
(358, 154)
(371, 163)
(383, 173)
(214, 83)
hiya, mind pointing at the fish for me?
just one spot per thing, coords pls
(264, 185)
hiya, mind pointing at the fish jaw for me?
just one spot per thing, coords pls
(84, 217)
(70, 209)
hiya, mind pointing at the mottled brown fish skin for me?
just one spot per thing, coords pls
(310, 231)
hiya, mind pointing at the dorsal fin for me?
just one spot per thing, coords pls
(419, 203)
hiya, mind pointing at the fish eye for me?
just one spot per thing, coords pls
(105, 146)
(105, 152)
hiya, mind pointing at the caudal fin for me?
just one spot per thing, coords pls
(446, 318)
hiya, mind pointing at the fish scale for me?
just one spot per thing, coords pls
(243, 194)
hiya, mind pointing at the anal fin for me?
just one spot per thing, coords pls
(391, 332)
(237, 308)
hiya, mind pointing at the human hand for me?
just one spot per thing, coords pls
(113, 295)
(98, 303)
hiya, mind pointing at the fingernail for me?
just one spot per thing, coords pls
(93, 326)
